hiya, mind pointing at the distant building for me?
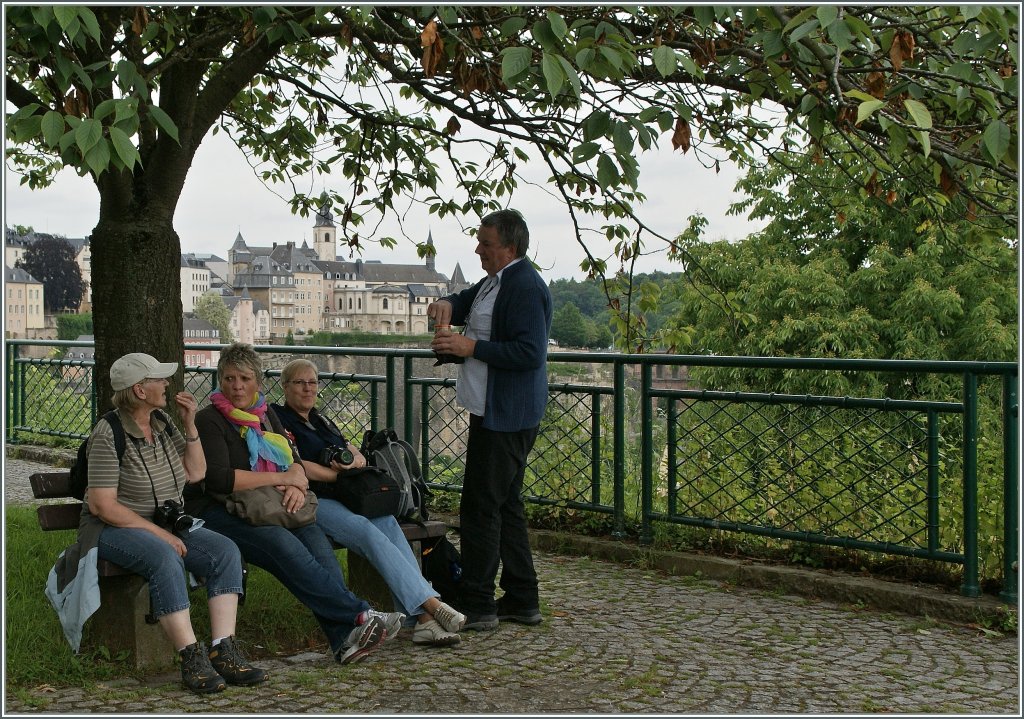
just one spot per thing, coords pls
(250, 320)
(16, 244)
(25, 316)
(309, 289)
(195, 281)
(197, 331)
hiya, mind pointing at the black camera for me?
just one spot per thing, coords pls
(171, 516)
(333, 453)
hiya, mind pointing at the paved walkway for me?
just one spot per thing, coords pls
(618, 639)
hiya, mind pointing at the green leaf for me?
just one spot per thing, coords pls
(586, 151)
(87, 134)
(52, 127)
(827, 15)
(66, 15)
(98, 158)
(924, 137)
(917, 110)
(596, 125)
(164, 122)
(997, 139)
(88, 19)
(515, 61)
(860, 95)
(554, 76)
(665, 60)
(772, 43)
(623, 139)
(607, 173)
(867, 109)
(585, 59)
(103, 109)
(544, 36)
(512, 27)
(557, 24)
(799, 18)
(804, 30)
(124, 147)
(572, 76)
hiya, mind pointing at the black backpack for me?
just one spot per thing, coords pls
(80, 469)
(442, 567)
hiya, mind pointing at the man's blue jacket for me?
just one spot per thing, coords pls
(517, 352)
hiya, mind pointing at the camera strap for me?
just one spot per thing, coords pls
(152, 484)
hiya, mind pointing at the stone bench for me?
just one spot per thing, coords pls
(122, 622)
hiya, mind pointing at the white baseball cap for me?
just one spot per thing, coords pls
(137, 366)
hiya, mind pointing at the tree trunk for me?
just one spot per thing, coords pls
(136, 256)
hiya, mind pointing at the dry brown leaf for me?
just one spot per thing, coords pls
(902, 49)
(681, 137)
(248, 32)
(948, 183)
(841, 218)
(972, 210)
(140, 21)
(476, 32)
(890, 197)
(429, 34)
(453, 126)
(345, 36)
(875, 84)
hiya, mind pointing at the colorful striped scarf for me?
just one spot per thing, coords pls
(268, 451)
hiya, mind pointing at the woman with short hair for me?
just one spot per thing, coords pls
(380, 540)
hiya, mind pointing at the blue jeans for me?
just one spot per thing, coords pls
(303, 561)
(382, 543)
(209, 555)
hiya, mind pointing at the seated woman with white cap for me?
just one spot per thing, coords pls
(135, 519)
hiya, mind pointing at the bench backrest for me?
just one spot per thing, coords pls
(55, 485)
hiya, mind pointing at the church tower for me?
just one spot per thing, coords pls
(325, 235)
(430, 257)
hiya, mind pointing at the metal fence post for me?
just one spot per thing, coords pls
(10, 391)
(389, 390)
(1011, 491)
(646, 450)
(970, 588)
(619, 452)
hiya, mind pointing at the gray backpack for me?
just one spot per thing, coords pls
(385, 450)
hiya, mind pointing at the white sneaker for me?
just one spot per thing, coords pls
(432, 634)
(450, 619)
(392, 621)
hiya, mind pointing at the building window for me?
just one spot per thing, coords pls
(384, 304)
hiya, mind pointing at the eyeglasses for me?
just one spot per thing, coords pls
(306, 382)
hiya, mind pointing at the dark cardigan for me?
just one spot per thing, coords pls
(517, 353)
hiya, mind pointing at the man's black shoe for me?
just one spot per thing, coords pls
(480, 622)
(522, 616)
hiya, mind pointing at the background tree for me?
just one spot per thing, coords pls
(848, 276)
(210, 307)
(71, 327)
(51, 260)
(917, 102)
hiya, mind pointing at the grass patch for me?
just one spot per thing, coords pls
(272, 621)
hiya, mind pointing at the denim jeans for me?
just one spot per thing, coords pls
(493, 520)
(303, 561)
(208, 555)
(382, 543)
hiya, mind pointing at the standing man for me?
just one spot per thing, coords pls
(503, 383)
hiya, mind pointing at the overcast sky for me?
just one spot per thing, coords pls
(222, 197)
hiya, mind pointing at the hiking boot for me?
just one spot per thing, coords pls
(449, 619)
(510, 613)
(362, 640)
(392, 621)
(480, 622)
(432, 634)
(196, 671)
(227, 659)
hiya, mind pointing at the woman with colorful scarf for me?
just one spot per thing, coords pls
(245, 448)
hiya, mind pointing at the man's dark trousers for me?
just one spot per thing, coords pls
(493, 520)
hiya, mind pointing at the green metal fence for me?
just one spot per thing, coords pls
(899, 477)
